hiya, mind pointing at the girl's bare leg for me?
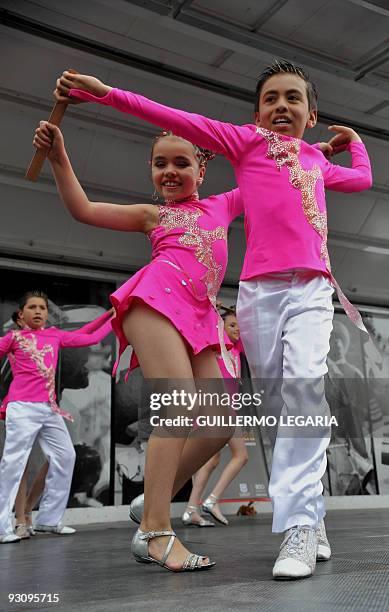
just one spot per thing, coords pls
(237, 462)
(200, 480)
(199, 449)
(35, 493)
(162, 354)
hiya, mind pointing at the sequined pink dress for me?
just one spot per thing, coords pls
(189, 258)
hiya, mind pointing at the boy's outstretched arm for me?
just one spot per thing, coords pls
(340, 178)
(224, 138)
(92, 326)
(135, 217)
(78, 337)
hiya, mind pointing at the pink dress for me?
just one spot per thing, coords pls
(282, 182)
(189, 259)
(33, 356)
(235, 354)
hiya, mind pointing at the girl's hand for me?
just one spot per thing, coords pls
(344, 135)
(69, 81)
(49, 137)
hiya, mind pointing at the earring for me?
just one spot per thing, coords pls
(155, 196)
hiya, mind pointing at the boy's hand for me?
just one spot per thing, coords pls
(69, 81)
(343, 137)
(49, 136)
(326, 149)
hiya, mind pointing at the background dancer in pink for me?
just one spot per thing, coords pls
(285, 299)
(167, 312)
(32, 412)
(236, 444)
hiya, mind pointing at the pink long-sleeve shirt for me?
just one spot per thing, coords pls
(33, 356)
(281, 180)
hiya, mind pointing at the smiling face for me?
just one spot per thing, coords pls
(34, 313)
(175, 169)
(231, 328)
(283, 106)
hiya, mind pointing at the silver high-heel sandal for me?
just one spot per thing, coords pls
(136, 508)
(208, 506)
(188, 520)
(140, 550)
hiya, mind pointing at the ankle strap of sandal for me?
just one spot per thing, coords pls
(213, 497)
(192, 508)
(149, 535)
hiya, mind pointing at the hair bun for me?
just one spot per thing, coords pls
(205, 155)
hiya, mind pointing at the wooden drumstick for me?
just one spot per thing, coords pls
(40, 155)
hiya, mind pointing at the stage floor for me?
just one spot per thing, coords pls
(94, 571)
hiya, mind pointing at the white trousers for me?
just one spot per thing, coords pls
(25, 422)
(285, 321)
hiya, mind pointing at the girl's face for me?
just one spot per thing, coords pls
(231, 328)
(175, 170)
(34, 313)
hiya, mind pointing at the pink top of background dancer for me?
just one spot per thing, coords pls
(281, 180)
(235, 354)
(33, 356)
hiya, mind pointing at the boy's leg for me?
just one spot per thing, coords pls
(268, 319)
(299, 460)
(299, 463)
(23, 422)
(56, 444)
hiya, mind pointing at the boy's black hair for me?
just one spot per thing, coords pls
(31, 294)
(15, 316)
(280, 66)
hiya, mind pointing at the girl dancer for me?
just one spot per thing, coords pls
(32, 412)
(285, 298)
(167, 312)
(237, 445)
(23, 502)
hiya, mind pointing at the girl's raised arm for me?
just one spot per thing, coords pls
(126, 217)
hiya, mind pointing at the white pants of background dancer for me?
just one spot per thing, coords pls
(285, 321)
(25, 422)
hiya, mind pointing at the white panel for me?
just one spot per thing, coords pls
(365, 274)
(337, 255)
(37, 222)
(348, 211)
(343, 31)
(377, 224)
(245, 12)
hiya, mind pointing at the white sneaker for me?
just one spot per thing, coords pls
(297, 556)
(9, 538)
(323, 545)
(58, 529)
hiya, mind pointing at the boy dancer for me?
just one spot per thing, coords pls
(285, 299)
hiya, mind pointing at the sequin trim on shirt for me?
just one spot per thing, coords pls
(29, 345)
(172, 218)
(286, 153)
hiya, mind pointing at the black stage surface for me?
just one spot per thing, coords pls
(93, 570)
